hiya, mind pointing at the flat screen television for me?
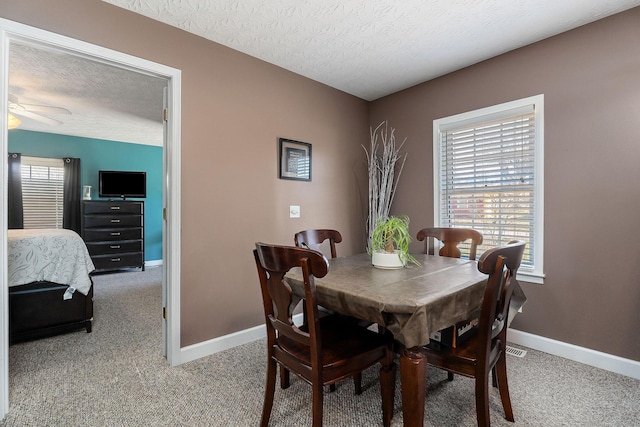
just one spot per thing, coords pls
(123, 184)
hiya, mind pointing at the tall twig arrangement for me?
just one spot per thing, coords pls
(385, 164)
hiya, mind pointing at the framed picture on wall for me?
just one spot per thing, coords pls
(294, 159)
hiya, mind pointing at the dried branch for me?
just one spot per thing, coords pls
(384, 173)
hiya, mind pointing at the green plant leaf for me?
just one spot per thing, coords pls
(393, 233)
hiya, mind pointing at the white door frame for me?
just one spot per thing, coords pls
(9, 31)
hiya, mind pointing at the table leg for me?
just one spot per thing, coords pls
(413, 378)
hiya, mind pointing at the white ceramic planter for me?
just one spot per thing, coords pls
(386, 260)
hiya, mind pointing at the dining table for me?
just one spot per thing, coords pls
(410, 302)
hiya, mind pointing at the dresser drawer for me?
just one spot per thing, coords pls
(111, 248)
(110, 234)
(108, 208)
(93, 221)
(109, 262)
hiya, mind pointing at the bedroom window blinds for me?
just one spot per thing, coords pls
(42, 192)
(487, 176)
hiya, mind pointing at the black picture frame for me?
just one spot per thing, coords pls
(294, 160)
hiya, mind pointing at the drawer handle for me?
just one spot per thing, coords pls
(114, 247)
(115, 259)
(115, 234)
(115, 221)
(115, 208)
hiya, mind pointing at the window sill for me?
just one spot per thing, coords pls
(531, 277)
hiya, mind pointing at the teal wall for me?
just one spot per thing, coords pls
(98, 154)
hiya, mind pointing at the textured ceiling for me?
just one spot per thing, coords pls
(371, 48)
(366, 48)
(105, 102)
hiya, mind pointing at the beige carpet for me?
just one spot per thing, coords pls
(116, 376)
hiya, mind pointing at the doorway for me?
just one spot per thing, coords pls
(11, 32)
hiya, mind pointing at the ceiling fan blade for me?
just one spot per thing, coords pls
(37, 117)
(45, 109)
(16, 107)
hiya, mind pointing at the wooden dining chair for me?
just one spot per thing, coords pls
(485, 352)
(313, 239)
(323, 351)
(451, 238)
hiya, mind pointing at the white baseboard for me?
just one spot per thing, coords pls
(153, 263)
(207, 348)
(608, 362)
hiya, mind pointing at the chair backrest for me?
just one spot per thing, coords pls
(312, 239)
(497, 287)
(451, 238)
(273, 262)
(512, 251)
(501, 263)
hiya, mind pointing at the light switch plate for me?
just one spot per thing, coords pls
(294, 211)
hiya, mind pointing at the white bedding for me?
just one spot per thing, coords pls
(54, 255)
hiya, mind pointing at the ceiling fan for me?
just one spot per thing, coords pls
(36, 112)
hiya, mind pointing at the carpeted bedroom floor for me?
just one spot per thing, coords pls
(117, 376)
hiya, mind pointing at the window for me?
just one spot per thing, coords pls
(488, 175)
(42, 192)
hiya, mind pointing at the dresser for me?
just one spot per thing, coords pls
(114, 233)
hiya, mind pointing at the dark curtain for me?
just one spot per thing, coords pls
(71, 199)
(14, 194)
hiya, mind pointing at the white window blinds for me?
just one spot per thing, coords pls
(42, 192)
(487, 176)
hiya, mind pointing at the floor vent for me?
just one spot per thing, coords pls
(515, 351)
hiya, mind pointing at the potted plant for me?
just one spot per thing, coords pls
(384, 163)
(390, 243)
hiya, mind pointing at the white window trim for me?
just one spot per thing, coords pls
(535, 274)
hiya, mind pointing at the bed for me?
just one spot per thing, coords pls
(50, 289)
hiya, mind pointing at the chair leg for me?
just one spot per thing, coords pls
(449, 376)
(387, 387)
(494, 379)
(269, 391)
(482, 400)
(284, 377)
(503, 386)
(357, 383)
(318, 392)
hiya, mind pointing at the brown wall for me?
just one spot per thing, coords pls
(590, 78)
(234, 109)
